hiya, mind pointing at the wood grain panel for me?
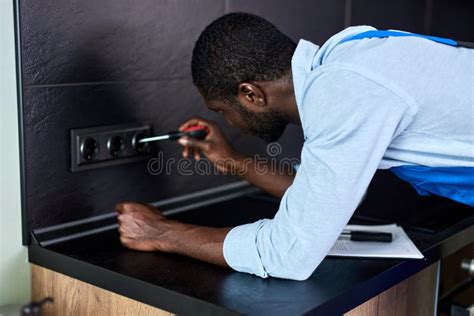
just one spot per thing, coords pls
(74, 297)
(414, 296)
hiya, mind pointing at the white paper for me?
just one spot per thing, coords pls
(400, 247)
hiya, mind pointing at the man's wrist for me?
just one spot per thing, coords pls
(169, 241)
(238, 164)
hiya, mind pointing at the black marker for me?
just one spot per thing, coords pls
(359, 235)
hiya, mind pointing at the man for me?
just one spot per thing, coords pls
(363, 105)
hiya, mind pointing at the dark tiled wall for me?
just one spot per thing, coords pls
(407, 15)
(444, 18)
(89, 63)
(454, 18)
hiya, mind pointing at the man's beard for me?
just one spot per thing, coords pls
(268, 126)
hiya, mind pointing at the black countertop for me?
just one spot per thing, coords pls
(186, 286)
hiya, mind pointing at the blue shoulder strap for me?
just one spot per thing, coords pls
(381, 34)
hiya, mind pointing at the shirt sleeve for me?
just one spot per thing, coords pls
(349, 121)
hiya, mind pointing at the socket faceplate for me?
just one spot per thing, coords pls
(103, 146)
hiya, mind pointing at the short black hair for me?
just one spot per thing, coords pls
(236, 48)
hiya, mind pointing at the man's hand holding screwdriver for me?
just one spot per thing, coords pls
(214, 146)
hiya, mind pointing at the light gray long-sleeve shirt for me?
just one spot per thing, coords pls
(364, 105)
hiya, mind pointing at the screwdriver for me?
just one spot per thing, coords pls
(196, 131)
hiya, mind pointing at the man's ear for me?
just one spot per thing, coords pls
(251, 96)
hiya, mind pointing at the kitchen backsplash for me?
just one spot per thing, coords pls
(91, 63)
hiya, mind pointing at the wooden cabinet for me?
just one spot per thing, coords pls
(414, 296)
(74, 297)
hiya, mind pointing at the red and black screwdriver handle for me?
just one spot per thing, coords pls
(196, 131)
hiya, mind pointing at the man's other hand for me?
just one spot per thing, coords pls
(143, 227)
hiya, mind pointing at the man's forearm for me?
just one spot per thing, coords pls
(202, 243)
(271, 179)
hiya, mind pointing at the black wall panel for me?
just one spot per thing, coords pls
(453, 19)
(313, 20)
(91, 41)
(406, 15)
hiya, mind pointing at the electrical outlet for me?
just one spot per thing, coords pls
(103, 146)
(89, 148)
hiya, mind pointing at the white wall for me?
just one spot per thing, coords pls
(14, 268)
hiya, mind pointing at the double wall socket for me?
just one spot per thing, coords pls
(103, 146)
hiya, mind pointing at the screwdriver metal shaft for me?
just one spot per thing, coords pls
(154, 138)
(198, 132)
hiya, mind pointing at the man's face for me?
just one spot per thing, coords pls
(268, 125)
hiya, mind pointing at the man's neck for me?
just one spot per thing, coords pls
(285, 100)
(288, 101)
(292, 109)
